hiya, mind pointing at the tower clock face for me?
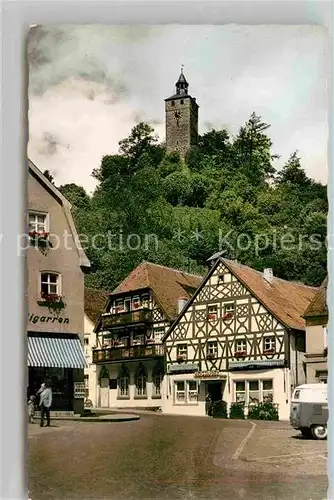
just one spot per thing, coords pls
(177, 114)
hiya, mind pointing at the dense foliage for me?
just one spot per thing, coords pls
(226, 195)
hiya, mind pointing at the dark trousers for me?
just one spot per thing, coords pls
(45, 411)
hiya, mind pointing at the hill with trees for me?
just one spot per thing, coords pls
(226, 195)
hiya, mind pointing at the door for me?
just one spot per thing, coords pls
(215, 391)
(104, 393)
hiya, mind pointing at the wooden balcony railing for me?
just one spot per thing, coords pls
(124, 353)
(127, 318)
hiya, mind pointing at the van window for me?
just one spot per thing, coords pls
(297, 394)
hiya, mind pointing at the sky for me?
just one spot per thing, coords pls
(89, 85)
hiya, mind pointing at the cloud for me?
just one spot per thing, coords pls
(89, 85)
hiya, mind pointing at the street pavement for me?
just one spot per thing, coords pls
(173, 457)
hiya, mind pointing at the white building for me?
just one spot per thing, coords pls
(240, 338)
(95, 301)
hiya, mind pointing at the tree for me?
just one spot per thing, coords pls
(49, 176)
(292, 174)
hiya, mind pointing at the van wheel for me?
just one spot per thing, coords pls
(319, 431)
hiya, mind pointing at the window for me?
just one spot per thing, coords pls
(212, 313)
(241, 345)
(182, 351)
(158, 334)
(136, 304)
(86, 341)
(139, 339)
(50, 284)
(124, 341)
(182, 101)
(267, 391)
(212, 349)
(140, 381)
(228, 310)
(157, 380)
(86, 381)
(127, 305)
(173, 103)
(221, 278)
(38, 222)
(192, 391)
(269, 344)
(254, 391)
(146, 300)
(123, 386)
(180, 393)
(123, 382)
(240, 391)
(119, 305)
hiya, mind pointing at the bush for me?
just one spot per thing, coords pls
(237, 410)
(219, 409)
(263, 411)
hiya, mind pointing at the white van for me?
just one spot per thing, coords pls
(309, 410)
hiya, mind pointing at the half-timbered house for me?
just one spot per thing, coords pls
(129, 354)
(241, 337)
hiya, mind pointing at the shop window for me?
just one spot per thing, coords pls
(50, 284)
(141, 381)
(254, 391)
(38, 222)
(240, 391)
(186, 392)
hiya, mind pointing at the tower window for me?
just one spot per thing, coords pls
(173, 103)
(181, 101)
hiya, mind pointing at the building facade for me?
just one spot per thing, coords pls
(181, 112)
(316, 317)
(129, 354)
(56, 267)
(95, 301)
(240, 338)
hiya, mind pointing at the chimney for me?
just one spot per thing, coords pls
(181, 303)
(268, 274)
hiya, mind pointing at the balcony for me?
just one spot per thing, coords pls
(124, 319)
(124, 353)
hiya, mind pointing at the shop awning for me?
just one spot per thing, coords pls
(260, 363)
(55, 352)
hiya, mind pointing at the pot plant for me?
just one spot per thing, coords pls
(240, 354)
(52, 301)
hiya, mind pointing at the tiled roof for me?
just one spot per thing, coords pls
(167, 284)
(287, 300)
(95, 301)
(318, 305)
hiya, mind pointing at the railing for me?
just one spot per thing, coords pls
(126, 318)
(133, 352)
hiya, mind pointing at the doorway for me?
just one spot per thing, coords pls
(215, 390)
(104, 393)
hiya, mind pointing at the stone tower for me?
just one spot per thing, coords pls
(181, 119)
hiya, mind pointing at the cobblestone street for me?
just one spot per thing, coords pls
(164, 457)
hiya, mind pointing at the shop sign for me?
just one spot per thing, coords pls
(35, 318)
(213, 374)
(183, 367)
(79, 390)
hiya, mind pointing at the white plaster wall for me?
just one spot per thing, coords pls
(91, 370)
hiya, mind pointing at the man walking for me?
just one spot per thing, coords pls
(45, 401)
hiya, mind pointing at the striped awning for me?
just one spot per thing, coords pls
(55, 352)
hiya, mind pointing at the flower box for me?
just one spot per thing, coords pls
(149, 341)
(137, 305)
(39, 238)
(228, 316)
(181, 357)
(52, 301)
(240, 354)
(269, 351)
(210, 356)
(212, 317)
